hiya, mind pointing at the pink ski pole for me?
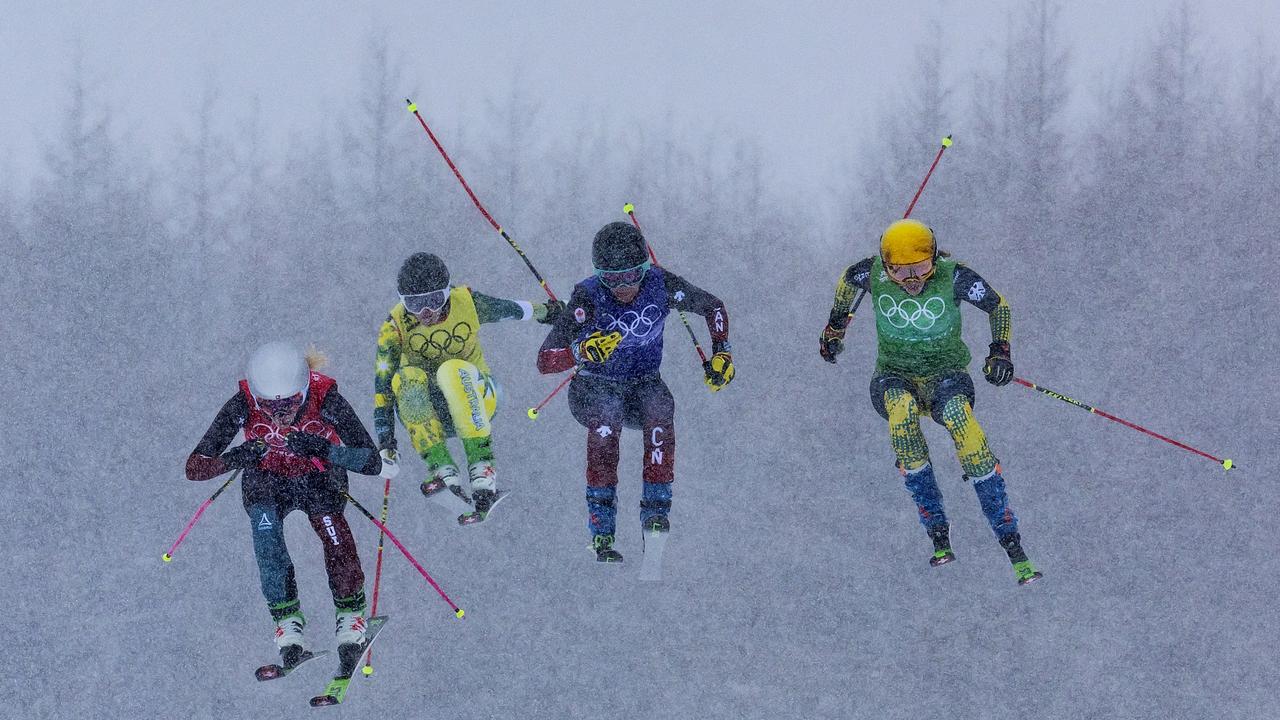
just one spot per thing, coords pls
(168, 557)
(456, 610)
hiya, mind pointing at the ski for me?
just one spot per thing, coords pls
(453, 502)
(474, 517)
(348, 658)
(273, 671)
(655, 543)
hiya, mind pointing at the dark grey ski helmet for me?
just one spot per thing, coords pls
(618, 246)
(422, 273)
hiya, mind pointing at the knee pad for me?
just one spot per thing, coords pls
(471, 397)
(880, 385)
(949, 387)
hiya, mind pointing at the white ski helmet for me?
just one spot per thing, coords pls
(276, 371)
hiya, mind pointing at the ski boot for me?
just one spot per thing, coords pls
(351, 626)
(941, 536)
(1022, 567)
(657, 523)
(602, 545)
(484, 493)
(289, 639)
(445, 477)
(483, 475)
(445, 489)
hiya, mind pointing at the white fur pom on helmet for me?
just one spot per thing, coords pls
(277, 370)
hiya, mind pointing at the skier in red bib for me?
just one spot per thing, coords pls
(300, 439)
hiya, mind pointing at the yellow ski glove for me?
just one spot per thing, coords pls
(597, 347)
(719, 370)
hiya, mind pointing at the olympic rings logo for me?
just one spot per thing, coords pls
(275, 437)
(643, 325)
(442, 341)
(269, 433)
(911, 312)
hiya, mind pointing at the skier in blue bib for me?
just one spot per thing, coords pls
(612, 330)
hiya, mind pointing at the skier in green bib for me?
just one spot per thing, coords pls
(915, 293)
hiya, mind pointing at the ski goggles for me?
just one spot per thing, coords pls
(919, 272)
(623, 278)
(432, 301)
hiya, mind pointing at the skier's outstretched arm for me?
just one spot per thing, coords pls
(556, 353)
(208, 459)
(687, 297)
(386, 364)
(970, 287)
(491, 309)
(856, 277)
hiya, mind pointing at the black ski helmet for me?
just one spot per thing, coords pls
(422, 273)
(618, 246)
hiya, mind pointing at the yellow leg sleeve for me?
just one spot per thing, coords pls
(412, 389)
(904, 429)
(471, 397)
(975, 456)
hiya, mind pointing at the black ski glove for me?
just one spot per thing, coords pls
(551, 312)
(244, 455)
(999, 366)
(308, 445)
(831, 343)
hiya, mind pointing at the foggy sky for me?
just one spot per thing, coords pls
(805, 79)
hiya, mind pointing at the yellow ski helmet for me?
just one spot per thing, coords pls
(907, 242)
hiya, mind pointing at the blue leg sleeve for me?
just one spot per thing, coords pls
(924, 490)
(656, 501)
(995, 503)
(602, 510)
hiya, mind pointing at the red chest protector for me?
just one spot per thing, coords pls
(260, 426)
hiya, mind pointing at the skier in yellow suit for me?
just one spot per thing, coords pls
(431, 371)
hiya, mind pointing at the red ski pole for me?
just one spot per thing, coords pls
(533, 411)
(413, 108)
(1226, 464)
(168, 557)
(377, 574)
(946, 143)
(457, 611)
(630, 210)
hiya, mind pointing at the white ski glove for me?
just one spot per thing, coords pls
(390, 468)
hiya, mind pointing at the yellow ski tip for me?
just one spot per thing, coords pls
(413, 107)
(628, 208)
(946, 141)
(460, 613)
(533, 414)
(1227, 464)
(166, 557)
(368, 670)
